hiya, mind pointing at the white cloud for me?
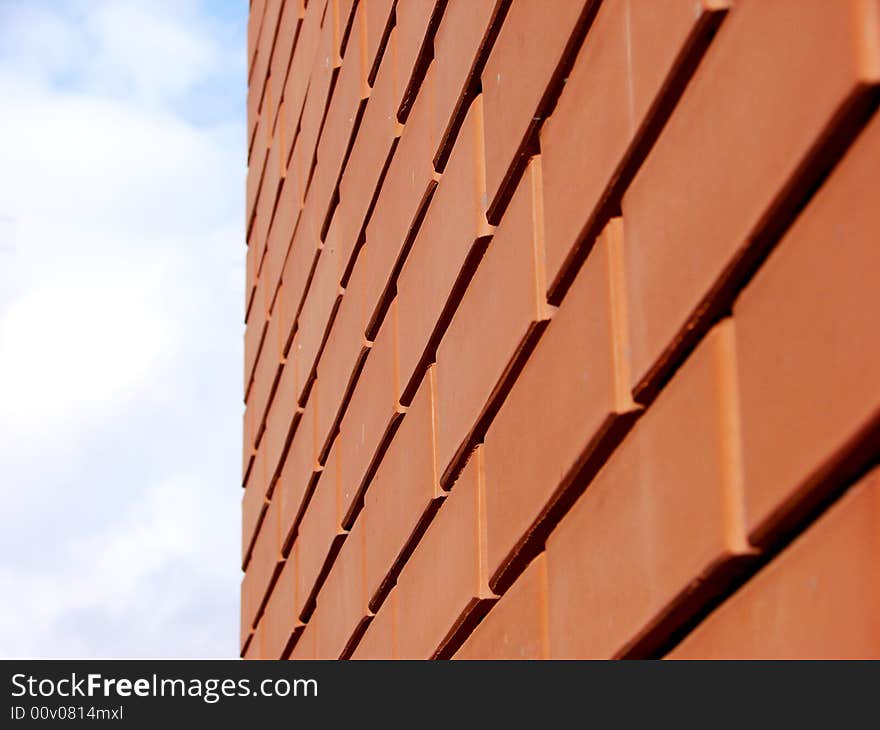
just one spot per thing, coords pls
(121, 280)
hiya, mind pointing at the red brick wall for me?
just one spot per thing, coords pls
(562, 329)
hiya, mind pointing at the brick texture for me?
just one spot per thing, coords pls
(561, 329)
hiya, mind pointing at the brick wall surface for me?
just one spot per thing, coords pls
(562, 329)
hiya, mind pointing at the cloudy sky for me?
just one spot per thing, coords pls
(121, 285)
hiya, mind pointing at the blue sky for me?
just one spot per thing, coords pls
(121, 284)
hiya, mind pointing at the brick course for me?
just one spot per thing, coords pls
(561, 330)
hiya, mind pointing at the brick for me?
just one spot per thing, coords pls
(253, 341)
(282, 419)
(819, 599)
(416, 22)
(326, 65)
(281, 236)
(298, 269)
(405, 491)
(256, 168)
(320, 532)
(342, 357)
(253, 508)
(660, 525)
(370, 153)
(807, 346)
(258, 88)
(379, 640)
(525, 63)
(254, 26)
(516, 627)
(776, 79)
(462, 43)
(254, 649)
(248, 452)
(265, 563)
(450, 240)
(343, 117)
(257, 473)
(259, 236)
(250, 280)
(341, 609)
(255, 85)
(280, 618)
(633, 52)
(266, 375)
(298, 473)
(246, 630)
(407, 188)
(378, 21)
(444, 583)
(495, 323)
(574, 385)
(306, 647)
(291, 14)
(371, 417)
(318, 310)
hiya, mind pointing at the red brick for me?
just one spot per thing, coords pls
(279, 621)
(247, 447)
(318, 310)
(378, 21)
(320, 532)
(369, 155)
(496, 321)
(281, 236)
(342, 610)
(371, 416)
(631, 53)
(326, 64)
(404, 492)
(250, 280)
(407, 189)
(246, 630)
(298, 473)
(343, 116)
(253, 340)
(298, 268)
(461, 45)
(341, 357)
(257, 473)
(283, 416)
(259, 236)
(771, 87)
(254, 649)
(444, 251)
(304, 58)
(258, 88)
(516, 627)
(306, 647)
(522, 67)
(444, 583)
(291, 14)
(253, 507)
(416, 22)
(574, 386)
(266, 375)
(380, 641)
(661, 521)
(807, 344)
(255, 23)
(819, 599)
(254, 26)
(256, 168)
(264, 564)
